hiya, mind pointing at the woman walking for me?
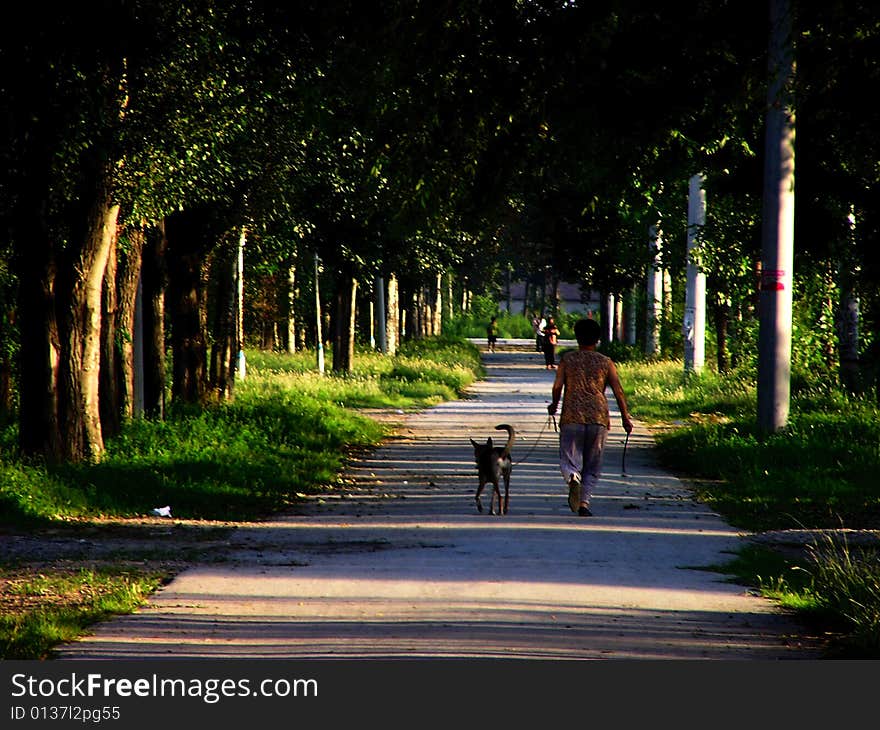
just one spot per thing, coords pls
(580, 383)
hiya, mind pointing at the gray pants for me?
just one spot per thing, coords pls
(580, 454)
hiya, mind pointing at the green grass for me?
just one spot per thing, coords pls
(288, 431)
(818, 473)
(845, 581)
(54, 606)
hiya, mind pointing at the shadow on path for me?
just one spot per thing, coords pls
(400, 564)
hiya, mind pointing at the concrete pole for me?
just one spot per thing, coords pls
(655, 294)
(694, 325)
(777, 248)
(318, 330)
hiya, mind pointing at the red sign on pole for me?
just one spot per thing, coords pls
(773, 280)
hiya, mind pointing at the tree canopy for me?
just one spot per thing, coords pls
(406, 138)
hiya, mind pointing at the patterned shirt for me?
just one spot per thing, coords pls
(585, 374)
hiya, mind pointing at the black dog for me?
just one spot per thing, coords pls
(493, 465)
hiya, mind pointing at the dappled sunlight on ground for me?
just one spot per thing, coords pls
(397, 562)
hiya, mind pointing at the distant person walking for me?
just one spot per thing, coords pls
(551, 338)
(580, 382)
(538, 326)
(492, 334)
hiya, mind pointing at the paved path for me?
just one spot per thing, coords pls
(400, 564)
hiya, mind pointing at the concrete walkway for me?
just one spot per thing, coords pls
(400, 564)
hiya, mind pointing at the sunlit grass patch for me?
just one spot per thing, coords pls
(56, 605)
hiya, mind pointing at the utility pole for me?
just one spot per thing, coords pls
(777, 248)
(694, 325)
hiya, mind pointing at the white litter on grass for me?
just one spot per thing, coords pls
(162, 511)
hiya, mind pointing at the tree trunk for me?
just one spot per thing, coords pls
(79, 321)
(224, 350)
(618, 318)
(734, 330)
(189, 240)
(320, 327)
(290, 313)
(608, 318)
(448, 314)
(109, 383)
(849, 340)
(128, 276)
(346, 313)
(38, 427)
(413, 327)
(437, 307)
(155, 281)
(392, 329)
(848, 315)
(722, 321)
(630, 317)
(238, 365)
(117, 332)
(7, 321)
(668, 330)
(555, 293)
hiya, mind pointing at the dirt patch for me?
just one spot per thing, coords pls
(122, 547)
(99, 541)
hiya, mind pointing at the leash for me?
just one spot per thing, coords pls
(538, 440)
(623, 465)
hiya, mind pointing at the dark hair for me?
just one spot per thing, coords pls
(587, 332)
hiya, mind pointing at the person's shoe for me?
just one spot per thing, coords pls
(584, 511)
(574, 493)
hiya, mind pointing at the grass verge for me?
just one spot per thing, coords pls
(819, 475)
(41, 610)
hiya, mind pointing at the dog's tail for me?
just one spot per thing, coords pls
(510, 436)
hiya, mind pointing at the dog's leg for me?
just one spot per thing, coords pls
(506, 493)
(477, 497)
(496, 494)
